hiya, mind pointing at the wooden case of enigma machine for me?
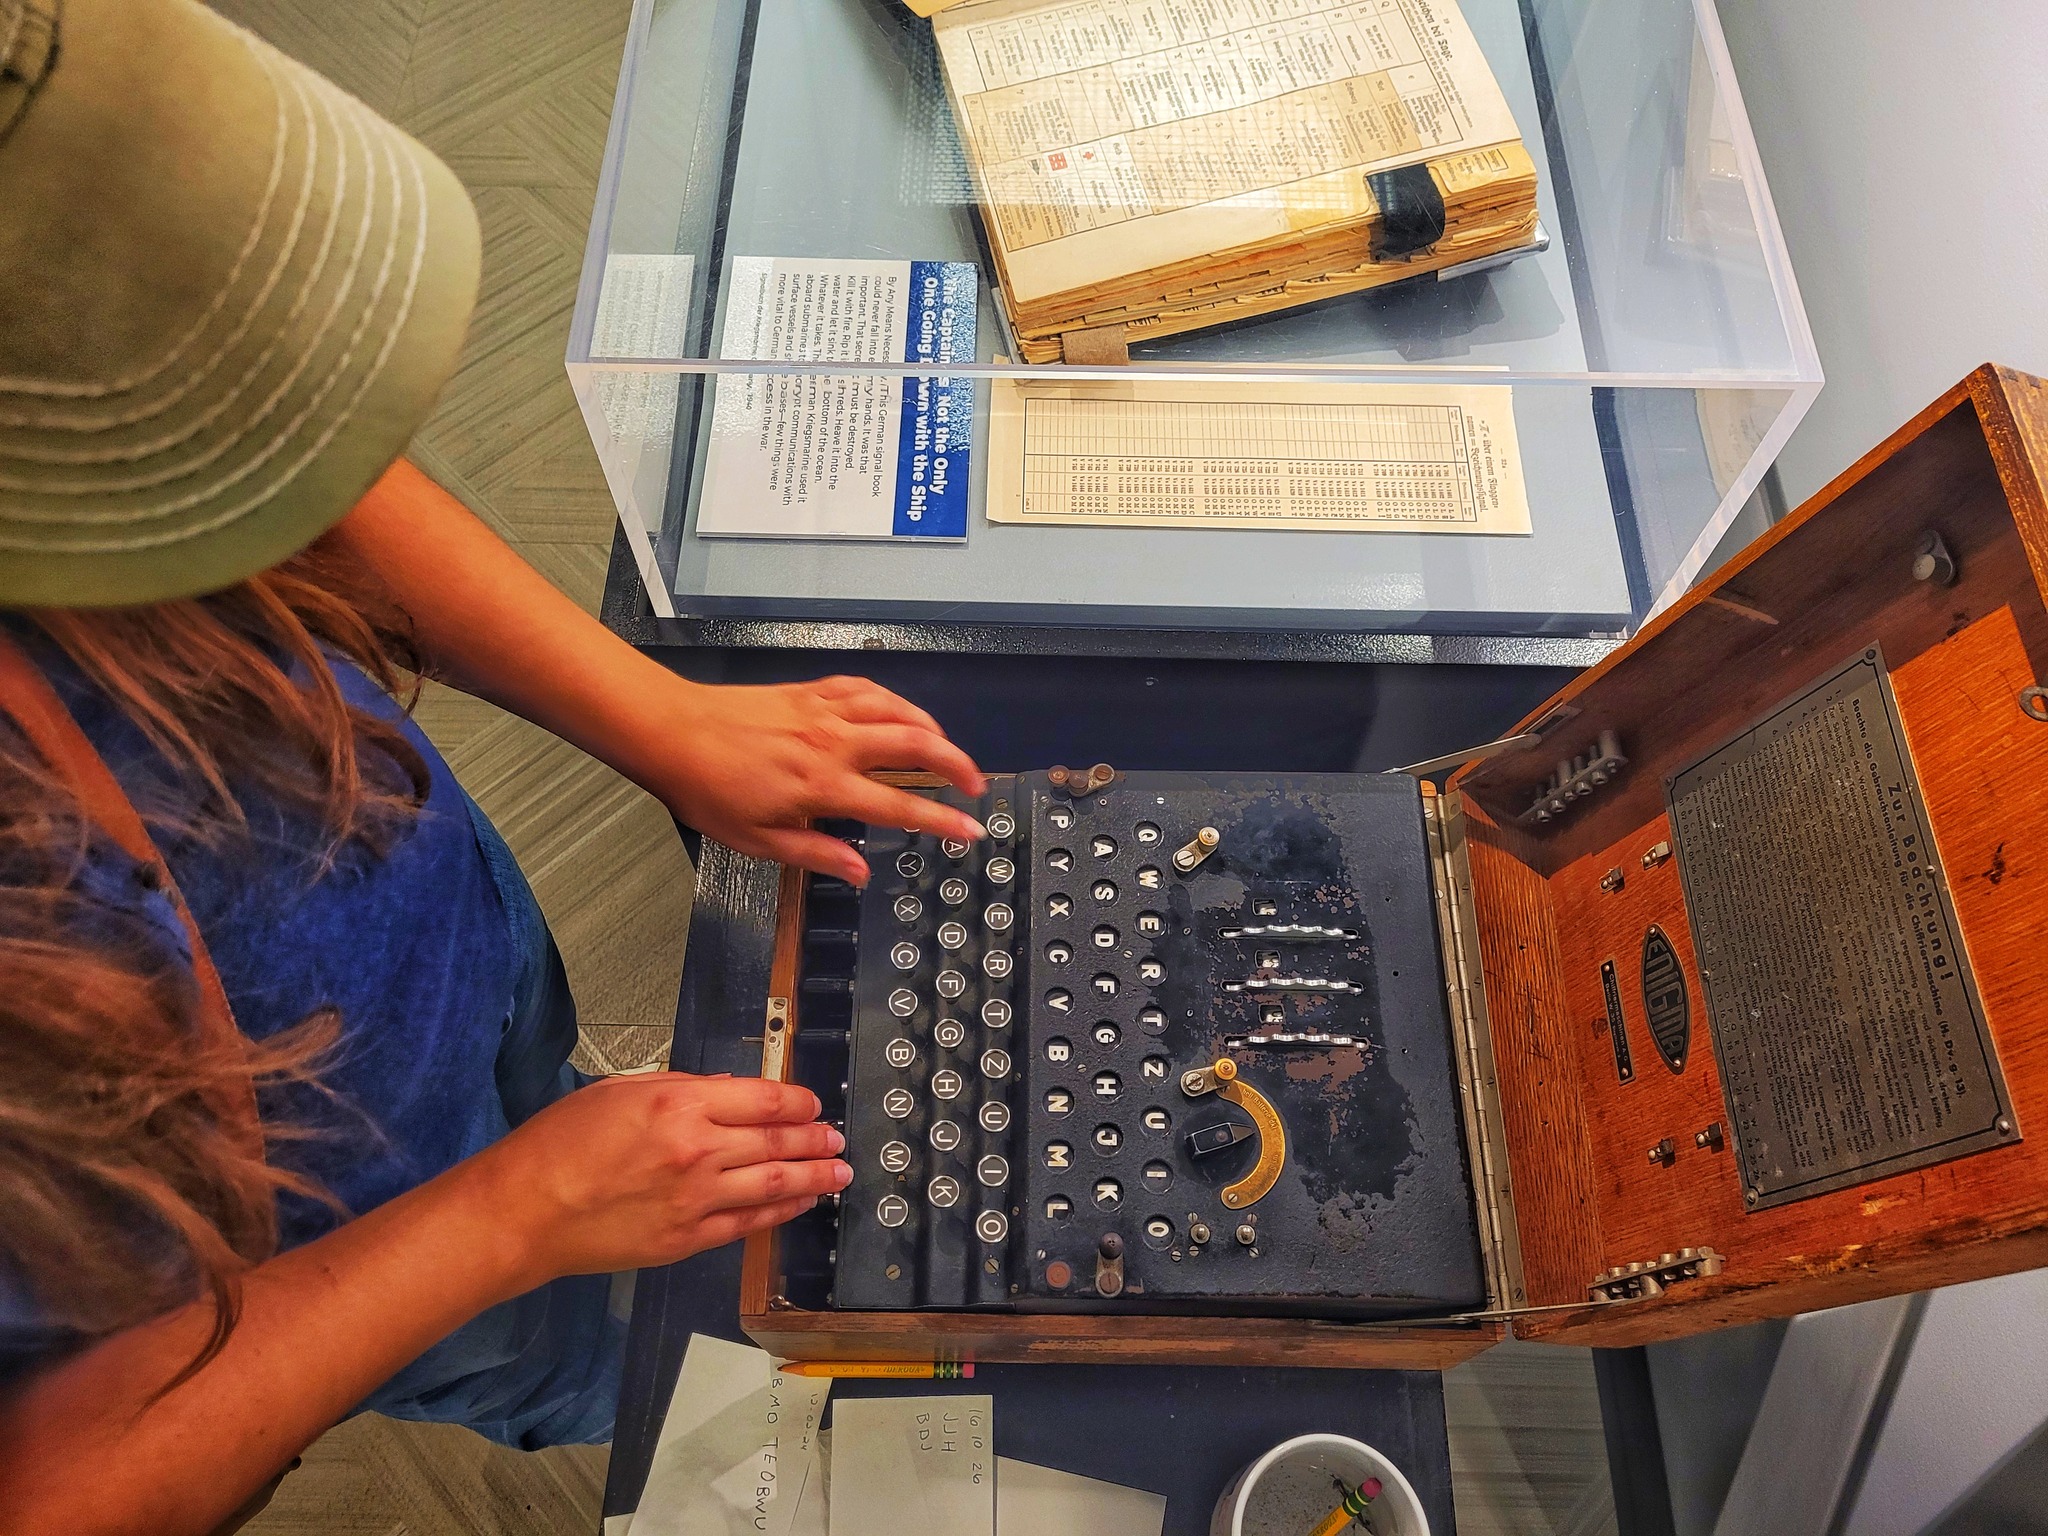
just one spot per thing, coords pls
(1713, 993)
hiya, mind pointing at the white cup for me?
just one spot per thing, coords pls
(1289, 1490)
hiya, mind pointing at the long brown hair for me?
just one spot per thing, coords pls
(126, 1195)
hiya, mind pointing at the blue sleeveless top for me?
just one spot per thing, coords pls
(423, 952)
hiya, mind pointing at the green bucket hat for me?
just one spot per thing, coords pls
(229, 293)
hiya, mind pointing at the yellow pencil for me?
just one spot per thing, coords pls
(1352, 1507)
(937, 1370)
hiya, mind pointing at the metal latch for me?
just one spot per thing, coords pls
(1638, 1282)
(1492, 748)
(775, 1041)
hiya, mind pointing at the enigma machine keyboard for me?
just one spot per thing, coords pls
(1162, 1043)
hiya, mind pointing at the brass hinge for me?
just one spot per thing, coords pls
(1472, 1036)
(1639, 1282)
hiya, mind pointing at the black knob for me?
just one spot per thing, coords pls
(1111, 1246)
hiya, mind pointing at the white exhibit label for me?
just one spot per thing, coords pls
(824, 455)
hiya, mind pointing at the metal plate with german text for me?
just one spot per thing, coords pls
(1624, 1064)
(1665, 1003)
(1848, 1031)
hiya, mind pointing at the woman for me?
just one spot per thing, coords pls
(286, 1126)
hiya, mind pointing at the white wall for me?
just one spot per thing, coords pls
(1974, 1389)
(1906, 143)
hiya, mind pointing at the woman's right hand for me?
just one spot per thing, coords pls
(645, 1170)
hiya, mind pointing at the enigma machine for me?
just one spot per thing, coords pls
(1713, 992)
(1161, 1042)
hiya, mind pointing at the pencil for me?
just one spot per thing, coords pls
(1352, 1507)
(900, 1370)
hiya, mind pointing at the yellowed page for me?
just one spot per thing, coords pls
(1114, 136)
(1350, 458)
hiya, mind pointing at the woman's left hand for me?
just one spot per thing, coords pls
(749, 765)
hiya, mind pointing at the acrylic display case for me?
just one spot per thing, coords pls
(1655, 345)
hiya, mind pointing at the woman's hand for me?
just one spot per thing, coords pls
(649, 1169)
(749, 765)
(628, 1172)
(744, 765)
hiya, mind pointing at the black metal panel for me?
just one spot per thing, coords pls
(1179, 1431)
(1635, 1443)
(1617, 1026)
(1848, 1031)
(930, 1104)
(1129, 972)
(1371, 1214)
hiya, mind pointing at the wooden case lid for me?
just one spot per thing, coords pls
(1833, 582)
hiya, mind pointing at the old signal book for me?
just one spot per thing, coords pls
(1148, 167)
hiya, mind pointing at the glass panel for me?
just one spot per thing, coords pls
(1652, 335)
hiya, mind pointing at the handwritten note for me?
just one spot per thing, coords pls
(914, 1466)
(737, 1449)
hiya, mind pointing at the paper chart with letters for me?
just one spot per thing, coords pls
(1334, 457)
